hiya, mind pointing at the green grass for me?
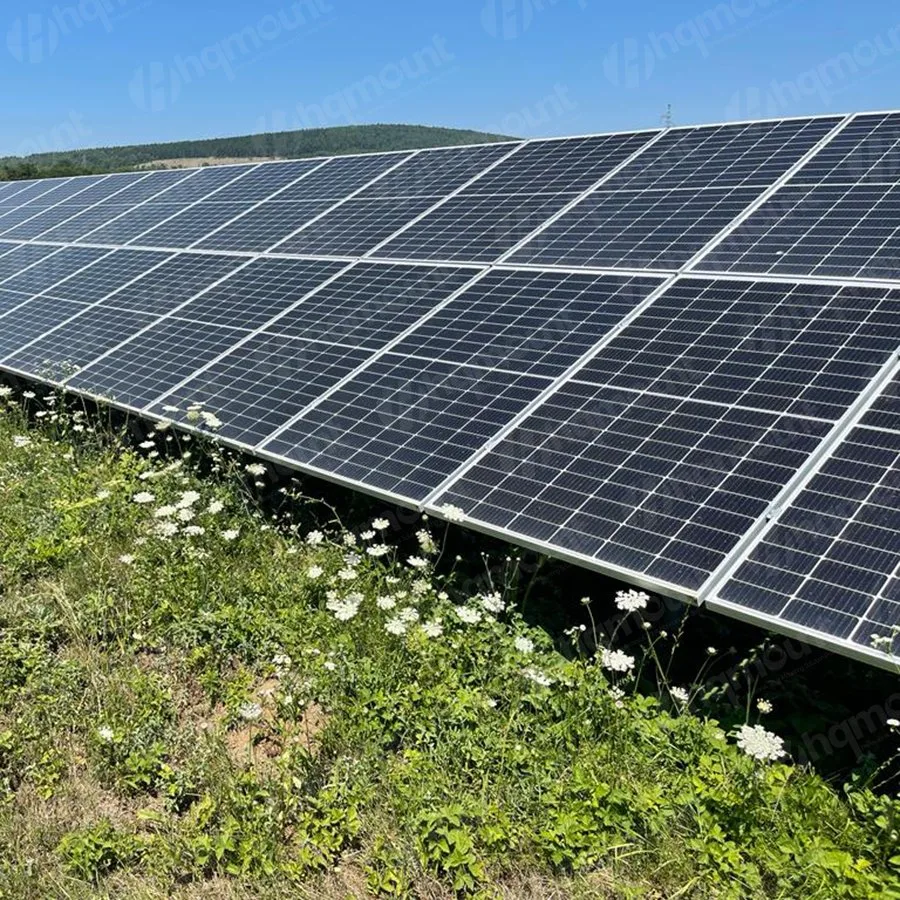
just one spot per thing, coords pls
(233, 713)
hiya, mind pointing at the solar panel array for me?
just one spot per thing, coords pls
(671, 356)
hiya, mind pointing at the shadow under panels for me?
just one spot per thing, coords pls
(260, 385)
(121, 306)
(406, 421)
(661, 452)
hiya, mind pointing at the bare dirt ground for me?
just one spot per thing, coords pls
(192, 162)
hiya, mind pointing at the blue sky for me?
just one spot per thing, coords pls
(101, 72)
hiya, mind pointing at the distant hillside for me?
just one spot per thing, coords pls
(281, 145)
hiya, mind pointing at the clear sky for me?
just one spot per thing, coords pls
(101, 72)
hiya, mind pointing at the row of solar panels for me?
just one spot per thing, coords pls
(711, 436)
(655, 201)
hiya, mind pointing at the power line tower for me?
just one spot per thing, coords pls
(666, 118)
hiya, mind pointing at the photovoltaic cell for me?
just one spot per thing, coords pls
(22, 255)
(260, 385)
(341, 176)
(174, 282)
(831, 563)
(370, 304)
(264, 226)
(843, 231)
(131, 222)
(806, 350)
(536, 323)
(265, 180)
(435, 173)
(658, 486)
(37, 316)
(190, 225)
(60, 353)
(106, 275)
(753, 154)
(256, 293)
(866, 151)
(402, 425)
(355, 227)
(53, 268)
(203, 182)
(631, 229)
(154, 361)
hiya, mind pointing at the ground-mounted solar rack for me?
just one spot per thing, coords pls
(670, 356)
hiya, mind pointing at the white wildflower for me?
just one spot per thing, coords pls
(166, 529)
(230, 534)
(538, 677)
(524, 644)
(126, 559)
(367, 535)
(764, 706)
(631, 601)
(349, 540)
(377, 550)
(314, 572)
(257, 469)
(314, 538)
(105, 733)
(169, 408)
(892, 723)
(380, 524)
(432, 629)
(617, 661)
(187, 499)
(19, 440)
(103, 495)
(143, 497)
(387, 602)
(451, 513)
(29, 395)
(679, 694)
(147, 445)
(215, 507)
(416, 562)
(426, 542)
(758, 743)
(250, 712)
(194, 530)
(711, 651)
(493, 603)
(408, 614)
(329, 665)
(468, 615)
(185, 515)
(396, 626)
(211, 420)
(345, 608)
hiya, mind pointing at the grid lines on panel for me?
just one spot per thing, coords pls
(754, 154)
(654, 485)
(33, 319)
(21, 257)
(803, 349)
(106, 275)
(176, 280)
(844, 231)
(831, 562)
(260, 385)
(341, 176)
(402, 426)
(64, 351)
(154, 361)
(528, 322)
(637, 229)
(53, 268)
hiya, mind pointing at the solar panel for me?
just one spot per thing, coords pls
(845, 231)
(514, 198)
(445, 326)
(171, 284)
(830, 566)
(262, 227)
(650, 484)
(402, 425)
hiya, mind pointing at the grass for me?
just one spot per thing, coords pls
(198, 701)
